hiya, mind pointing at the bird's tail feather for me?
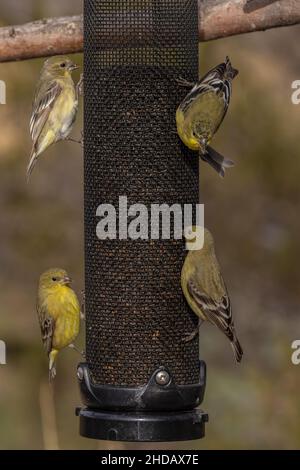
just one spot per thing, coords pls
(216, 161)
(32, 163)
(237, 349)
(230, 71)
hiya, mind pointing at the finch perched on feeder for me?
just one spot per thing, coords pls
(58, 313)
(202, 111)
(55, 106)
(205, 291)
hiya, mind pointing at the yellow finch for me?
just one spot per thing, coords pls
(202, 111)
(55, 106)
(58, 313)
(205, 291)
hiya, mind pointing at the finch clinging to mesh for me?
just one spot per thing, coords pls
(202, 111)
(54, 108)
(58, 313)
(205, 291)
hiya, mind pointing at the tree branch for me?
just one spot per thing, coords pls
(41, 38)
(244, 16)
(217, 19)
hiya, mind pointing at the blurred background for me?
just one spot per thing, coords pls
(253, 213)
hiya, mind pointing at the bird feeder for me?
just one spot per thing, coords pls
(141, 381)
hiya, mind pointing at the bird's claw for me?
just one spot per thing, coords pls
(82, 353)
(80, 85)
(184, 83)
(82, 313)
(190, 336)
(81, 142)
(52, 374)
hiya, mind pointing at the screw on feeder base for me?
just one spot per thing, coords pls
(162, 378)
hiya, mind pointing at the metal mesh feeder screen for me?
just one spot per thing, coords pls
(140, 378)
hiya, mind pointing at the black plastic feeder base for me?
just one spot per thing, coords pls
(142, 427)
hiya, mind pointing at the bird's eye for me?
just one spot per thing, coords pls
(63, 65)
(54, 279)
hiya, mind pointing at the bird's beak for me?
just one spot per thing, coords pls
(67, 281)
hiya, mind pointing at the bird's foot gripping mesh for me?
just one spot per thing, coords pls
(135, 50)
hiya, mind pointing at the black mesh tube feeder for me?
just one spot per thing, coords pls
(141, 381)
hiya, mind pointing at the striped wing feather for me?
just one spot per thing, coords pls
(218, 313)
(43, 104)
(47, 325)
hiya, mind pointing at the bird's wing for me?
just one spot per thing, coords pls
(197, 90)
(224, 90)
(217, 312)
(47, 325)
(218, 80)
(222, 72)
(214, 81)
(43, 103)
(217, 73)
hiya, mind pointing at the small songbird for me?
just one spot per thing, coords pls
(205, 291)
(202, 111)
(58, 313)
(54, 108)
